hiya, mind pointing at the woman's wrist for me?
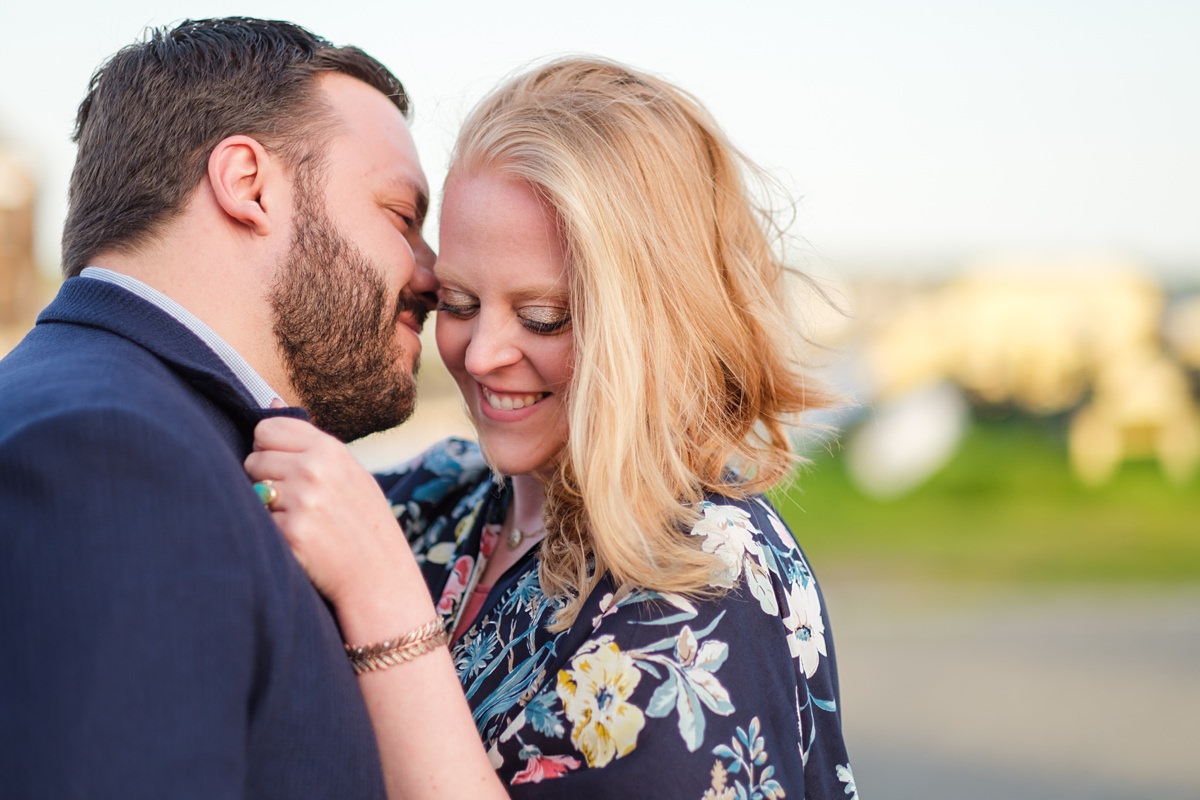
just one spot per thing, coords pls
(399, 650)
(375, 610)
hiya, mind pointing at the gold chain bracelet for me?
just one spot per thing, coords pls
(390, 652)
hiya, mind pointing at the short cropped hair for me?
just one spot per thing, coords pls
(686, 371)
(156, 109)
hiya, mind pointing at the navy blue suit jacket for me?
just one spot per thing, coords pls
(157, 638)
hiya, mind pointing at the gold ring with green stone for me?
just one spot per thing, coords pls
(267, 492)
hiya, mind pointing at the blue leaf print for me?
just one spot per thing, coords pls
(513, 685)
(446, 470)
(769, 558)
(671, 642)
(687, 610)
(648, 667)
(744, 738)
(824, 705)
(474, 656)
(664, 697)
(432, 491)
(691, 716)
(723, 751)
(524, 594)
(764, 785)
(541, 716)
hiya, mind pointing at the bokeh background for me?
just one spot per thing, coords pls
(1000, 201)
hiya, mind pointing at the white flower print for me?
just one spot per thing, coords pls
(806, 628)
(846, 776)
(729, 535)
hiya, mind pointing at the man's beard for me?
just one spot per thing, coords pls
(336, 328)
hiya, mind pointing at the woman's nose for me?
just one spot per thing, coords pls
(491, 347)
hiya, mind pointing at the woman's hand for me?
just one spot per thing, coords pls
(341, 528)
(332, 513)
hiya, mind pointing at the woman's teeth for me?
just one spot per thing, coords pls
(511, 402)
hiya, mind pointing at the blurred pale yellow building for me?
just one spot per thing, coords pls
(17, 269)
(1053, 338)
(16, 235)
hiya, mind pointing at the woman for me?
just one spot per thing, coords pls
(627, 613)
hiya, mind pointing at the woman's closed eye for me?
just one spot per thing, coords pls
(542, 320)
(457, 304)
(545, 320)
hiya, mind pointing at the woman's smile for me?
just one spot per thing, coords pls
(509, 401)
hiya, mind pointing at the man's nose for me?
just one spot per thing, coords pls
(424, 283)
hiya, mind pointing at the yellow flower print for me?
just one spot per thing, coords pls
(464, 526)
(594, 694)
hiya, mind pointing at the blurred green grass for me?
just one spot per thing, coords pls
(1005, 510)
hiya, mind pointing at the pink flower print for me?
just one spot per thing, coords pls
(456, 586)
(540, 767)
(488, 539)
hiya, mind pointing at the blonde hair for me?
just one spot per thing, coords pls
(685, 375)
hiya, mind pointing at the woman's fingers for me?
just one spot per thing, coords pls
(288, 433)
(330, 510)
(294, 450)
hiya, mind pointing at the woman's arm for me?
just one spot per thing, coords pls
(341, 528)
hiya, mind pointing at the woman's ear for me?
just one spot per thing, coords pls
(239, 170)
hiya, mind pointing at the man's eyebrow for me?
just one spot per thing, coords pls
(422, 202)
(405, 185)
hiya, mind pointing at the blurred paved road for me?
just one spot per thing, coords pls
(1087, 694)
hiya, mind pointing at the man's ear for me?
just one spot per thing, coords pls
(239, 171)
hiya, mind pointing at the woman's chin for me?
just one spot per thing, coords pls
(509, 459)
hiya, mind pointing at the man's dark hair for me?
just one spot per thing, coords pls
(154, 112)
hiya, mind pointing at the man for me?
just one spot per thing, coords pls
(244, 225)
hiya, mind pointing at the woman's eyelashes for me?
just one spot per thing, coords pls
(542, 320)
(545, 320)
(456, 309)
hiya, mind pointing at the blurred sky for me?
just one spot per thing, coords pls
(917, 133)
